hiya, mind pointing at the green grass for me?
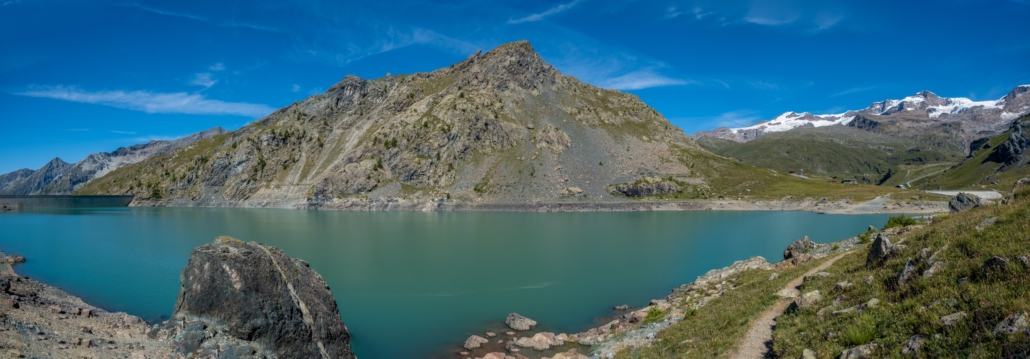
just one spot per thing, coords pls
(715, 328)
(977, 172)
(916, 308)
(900, 221)
(834, 151)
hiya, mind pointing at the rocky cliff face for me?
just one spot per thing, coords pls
(1012, 152)
(500, 127)
(59, 177)
(252, 299)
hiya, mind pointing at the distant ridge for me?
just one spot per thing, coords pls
(59, 177)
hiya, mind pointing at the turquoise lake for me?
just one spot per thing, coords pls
(413, 284)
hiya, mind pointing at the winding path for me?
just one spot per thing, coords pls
(758, 341)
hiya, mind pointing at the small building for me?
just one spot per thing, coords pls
(791, 172)
(849, 181)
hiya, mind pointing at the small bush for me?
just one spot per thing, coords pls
(900, 221)
(653, 315)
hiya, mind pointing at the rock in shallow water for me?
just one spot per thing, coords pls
(256, 299)
(518, 322)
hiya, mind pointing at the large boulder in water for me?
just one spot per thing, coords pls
(256, 301)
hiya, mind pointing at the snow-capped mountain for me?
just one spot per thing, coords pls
(978, 118)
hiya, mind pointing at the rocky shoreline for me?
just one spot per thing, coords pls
(879, 205)
(638, 327)
(237, 300)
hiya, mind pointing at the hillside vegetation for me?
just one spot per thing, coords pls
(953, 287)
(833, 151)
(992, 166)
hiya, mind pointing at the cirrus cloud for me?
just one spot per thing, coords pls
(151, 102)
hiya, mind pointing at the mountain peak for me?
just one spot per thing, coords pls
(926, 94)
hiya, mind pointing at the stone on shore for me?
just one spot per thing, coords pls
(518, 322)
(571, 354)
(474, 342)
(799, 247)
(253, 299)
(491, 334)
(540, 341)
(14, 259)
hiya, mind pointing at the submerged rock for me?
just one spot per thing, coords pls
(255, 300)
(474, 342)
(540, 341)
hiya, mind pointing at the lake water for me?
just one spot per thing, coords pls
(412, 284)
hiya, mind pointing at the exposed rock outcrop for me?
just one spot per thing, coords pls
(880, 250)
(253, 298)
(1013, 150)
(644, 188)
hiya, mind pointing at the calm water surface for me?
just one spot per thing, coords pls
(411, 284)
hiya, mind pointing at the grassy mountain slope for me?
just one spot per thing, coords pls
(832, 151)
(984, 170)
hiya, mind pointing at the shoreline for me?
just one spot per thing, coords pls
(878, 205)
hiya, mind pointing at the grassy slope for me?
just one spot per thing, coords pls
(976, 172)
(913, 309)
(916, 308)
(731, 179)
(830, 151)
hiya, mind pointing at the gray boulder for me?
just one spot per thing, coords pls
(475, 341)
(254, 299)
(908, 273)
(995, 264)
(880, 250)
(799, 247)
(963, 202)
(518, 322)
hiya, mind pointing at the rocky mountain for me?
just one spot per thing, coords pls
(994, 162)
(976, 119)
(26, 181)
(499, 127)
(59, 177)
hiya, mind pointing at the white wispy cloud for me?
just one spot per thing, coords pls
(124, 132)
(205, 19)
(762, 85)
(203, 79)
(218, 66)
(540, 16)
(740, 118)
(852, 90)
(296, 87)
(78, 129)
(700, 13)
(343, 54)
(641, 79)
(671, 13)
(151, 102)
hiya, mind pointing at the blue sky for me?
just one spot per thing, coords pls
(79, 77)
